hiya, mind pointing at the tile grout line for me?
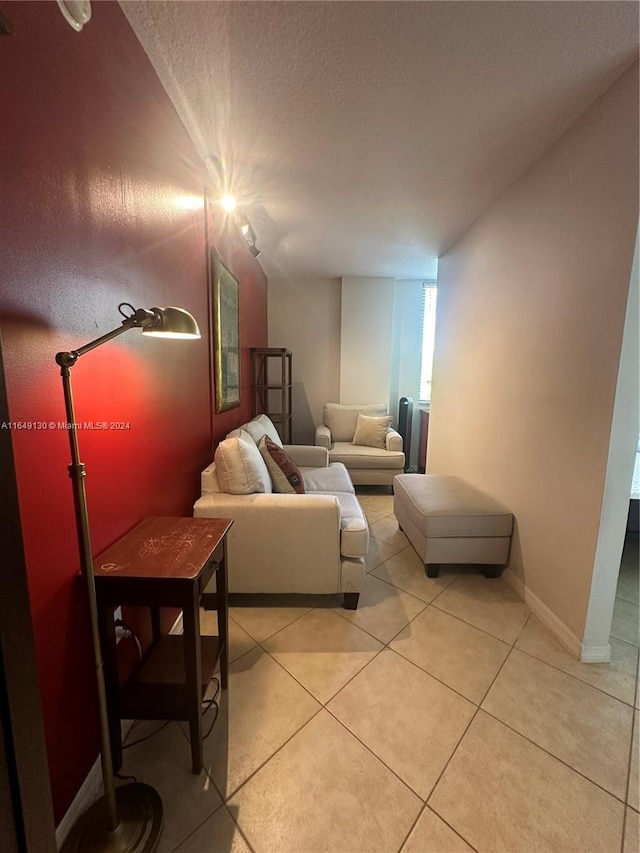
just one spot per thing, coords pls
(295, 619)
(222, 805)
(575, 677)
(551, 754)
(323, 705)
(634, 723)
(315, 698)
(478, 708)
(424, 808)
(462, 737)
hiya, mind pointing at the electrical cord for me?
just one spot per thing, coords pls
(146, 737)
(212, 703)
(209, 703)
(125, 778)
(120, 623)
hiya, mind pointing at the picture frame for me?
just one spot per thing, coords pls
(225, 340)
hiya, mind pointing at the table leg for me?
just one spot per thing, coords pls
(223, 618)
(193, 675)
(155, 624)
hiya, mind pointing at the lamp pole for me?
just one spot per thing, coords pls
(127, 819)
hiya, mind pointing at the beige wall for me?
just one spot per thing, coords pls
(366, 341)
(531, 310)
(304, 317)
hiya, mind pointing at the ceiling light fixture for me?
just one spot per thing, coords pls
(228, 202)
(76, 12)
(248, 233)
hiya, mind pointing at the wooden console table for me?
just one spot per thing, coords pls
(164, 562)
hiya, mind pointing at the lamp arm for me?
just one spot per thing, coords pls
(140, 319)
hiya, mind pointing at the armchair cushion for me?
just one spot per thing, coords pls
(357, 456)
(240, 467)
(371, 431)
(285, 474)
(341, 419)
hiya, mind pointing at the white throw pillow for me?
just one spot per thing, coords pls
(240, 467)
(372, 432)
(260, 426)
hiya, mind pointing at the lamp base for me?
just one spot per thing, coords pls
(140, 812)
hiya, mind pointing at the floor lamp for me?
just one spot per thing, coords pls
(127, 819)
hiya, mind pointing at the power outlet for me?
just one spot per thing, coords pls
(120, 630)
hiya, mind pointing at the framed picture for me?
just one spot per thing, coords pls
(225, 340)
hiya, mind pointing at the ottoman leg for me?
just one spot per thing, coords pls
(351, 600)
(492, 571)
(432, 570)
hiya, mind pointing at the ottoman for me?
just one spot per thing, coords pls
(448, 521)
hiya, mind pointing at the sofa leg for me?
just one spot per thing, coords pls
(351, 600)
(432, 570)
(492, 571)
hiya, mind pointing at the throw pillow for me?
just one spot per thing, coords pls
(240, 467)
(285, 474)
(371, 432)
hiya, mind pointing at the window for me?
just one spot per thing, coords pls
(429, 297)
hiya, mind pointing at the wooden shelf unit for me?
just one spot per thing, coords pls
(271, 388)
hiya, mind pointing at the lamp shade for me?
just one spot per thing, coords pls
(173, 323)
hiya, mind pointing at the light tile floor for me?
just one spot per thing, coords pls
(441, 716)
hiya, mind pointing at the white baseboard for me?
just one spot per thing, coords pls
(596, 654)
(90, 791)
(509, 576)
(565, 636)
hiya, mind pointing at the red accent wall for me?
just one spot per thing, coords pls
(94, 159)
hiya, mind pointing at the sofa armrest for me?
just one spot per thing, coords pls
(279, 543)
(323, 436)
(393, 440)
(308, 456)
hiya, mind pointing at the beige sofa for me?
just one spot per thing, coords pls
(292, 543)
(366, 465)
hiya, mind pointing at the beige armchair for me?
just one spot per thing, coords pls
(367, 465)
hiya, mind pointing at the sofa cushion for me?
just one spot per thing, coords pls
(357, 456)
(260, 426)
(285, 474)
(341, 419)
(240, 467)
(329, 480)
(372, 431)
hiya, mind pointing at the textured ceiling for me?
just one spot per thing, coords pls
(365, 137)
